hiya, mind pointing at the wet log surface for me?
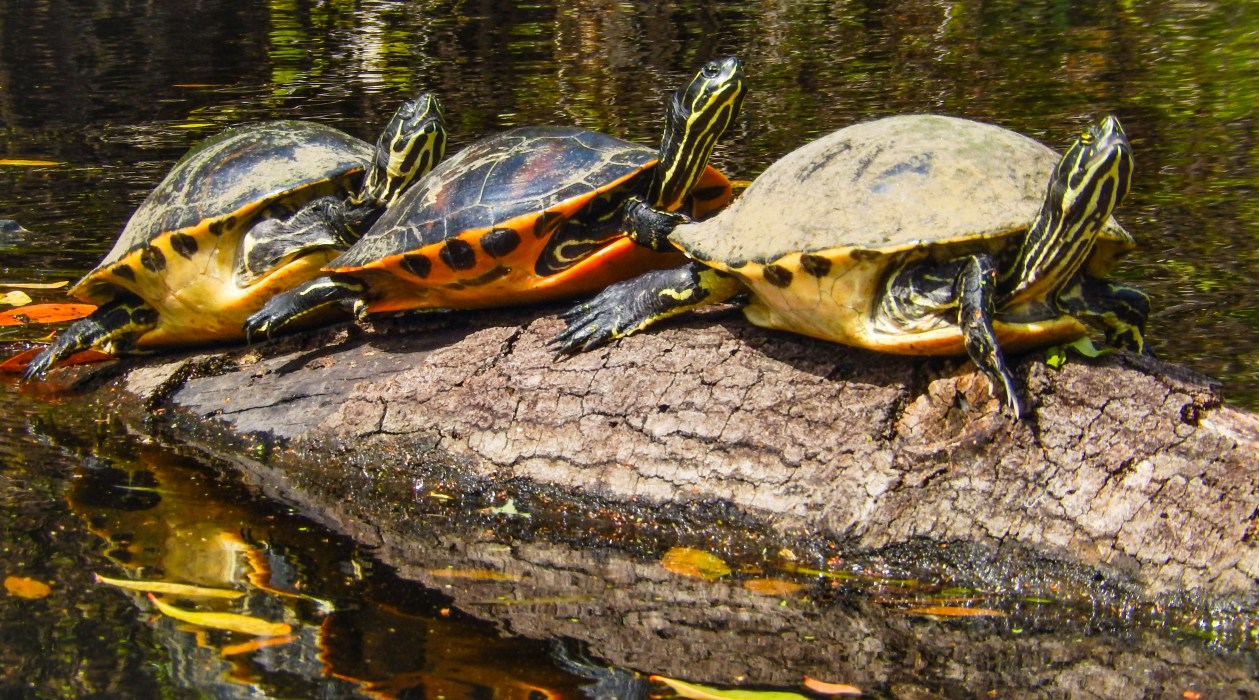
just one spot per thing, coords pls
(1128, 464)
(1131, 492)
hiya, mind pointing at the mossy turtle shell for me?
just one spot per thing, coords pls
(913, 182)
(215, 188)
(816, 235)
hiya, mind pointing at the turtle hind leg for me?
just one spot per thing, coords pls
(630, 306)
(114, 327)
(319, 294)
(976, 293)
(1118, 310)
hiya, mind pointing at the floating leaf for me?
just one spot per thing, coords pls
(44, 313)
(18, 298)
(24, 587)
(231, 622)
(772, 586)
(191, 125)
(953, 611)
(694, 563)
(18, 363)
(164, 587)
(256, 644)
(509, 509)
(35, 285)
(704, 692)
(28, 162)
(824, 688)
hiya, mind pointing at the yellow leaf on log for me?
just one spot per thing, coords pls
(694, 563)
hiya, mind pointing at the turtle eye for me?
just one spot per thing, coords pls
(711, 69)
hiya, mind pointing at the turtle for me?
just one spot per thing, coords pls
(531, 214)
(248, 213)
(914, 234)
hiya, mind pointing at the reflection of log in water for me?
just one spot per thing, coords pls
(1133, 473)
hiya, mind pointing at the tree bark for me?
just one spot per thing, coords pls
(1128, 466)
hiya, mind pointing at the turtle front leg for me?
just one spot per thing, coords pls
(976, 299)
(114, 327)
(650, 227)
(319, 294)
(1118, 310)
(630, 306)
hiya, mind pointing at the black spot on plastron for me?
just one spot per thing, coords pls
(815, 265)
(545, 224)
(217, 227)
(500, 242)
(497, 273)
(124, 271)
(777, 275)
(417, 264)
(458, 254)
(183, 244)
(863, 254)
(153, 259)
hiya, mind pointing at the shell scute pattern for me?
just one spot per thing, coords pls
(240, 167)
(524, 180)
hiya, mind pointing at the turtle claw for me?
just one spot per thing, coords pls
(588, 327)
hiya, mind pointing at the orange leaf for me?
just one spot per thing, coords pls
(18, 362)
(23, 587)
(694, 563)
(772, 586)
(951, 611)
(824, 688)
(45, 313)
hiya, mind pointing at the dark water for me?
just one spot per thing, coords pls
(116, 91)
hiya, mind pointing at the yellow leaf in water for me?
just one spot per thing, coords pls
(191, 125)
(824, 688)
(953, 611)
(696, 691)
(230, 622)
(180, 589)
(18, 298)
(24, 587)
(772, 586)
(694, 563)
(255, 645)
(35, 285)
(28, 163)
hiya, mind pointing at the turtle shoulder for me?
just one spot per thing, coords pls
(242, 167)
(889, 184)
(513, 178)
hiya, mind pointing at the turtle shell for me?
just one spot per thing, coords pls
(179, 251)
(818, 232)
(527, 214)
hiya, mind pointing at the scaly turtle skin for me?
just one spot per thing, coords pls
(530, 214)
(919, 235)
(246, 214)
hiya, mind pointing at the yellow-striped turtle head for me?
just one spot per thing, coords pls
(410, 145)
(699, 114)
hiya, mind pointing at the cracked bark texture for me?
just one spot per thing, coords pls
(1128, 465)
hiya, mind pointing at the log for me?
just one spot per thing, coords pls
(1132, 468)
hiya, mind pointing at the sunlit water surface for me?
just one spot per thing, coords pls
(113, 93)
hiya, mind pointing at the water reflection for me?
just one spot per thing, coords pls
(117, 91)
